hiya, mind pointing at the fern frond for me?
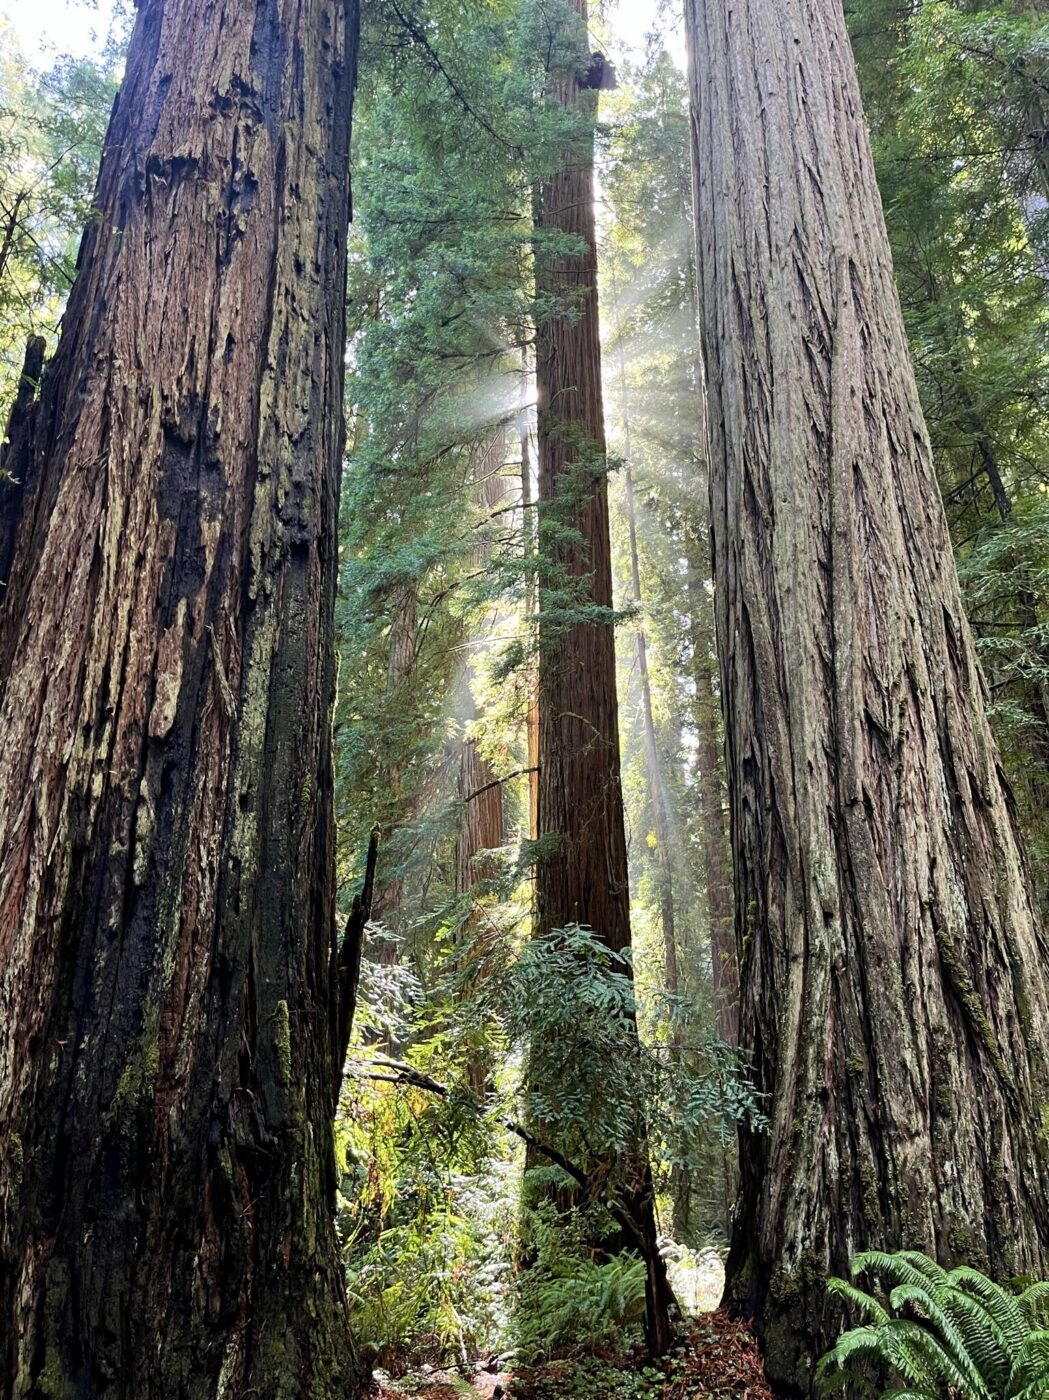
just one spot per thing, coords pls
(1034, 1304)
(933, 1333)
(865, 1303)
(1003, 1306)
(951, 1339)
(858, 1344)
(839, 1382)
(1038, 1390)
(1031, 1364)
(892, 1268)
(985, 1341)
(922, 1356)
(927, 1267)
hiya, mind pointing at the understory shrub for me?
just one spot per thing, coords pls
(928, 1333)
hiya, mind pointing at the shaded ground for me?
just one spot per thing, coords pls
(719, 1360)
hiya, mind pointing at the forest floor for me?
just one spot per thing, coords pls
(718, 1359)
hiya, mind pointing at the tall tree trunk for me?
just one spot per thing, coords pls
(16, 454)
(1032, 185)
(712, 826)
(710, 816)
(710, 754)
(894, 992)
(167, 934)
(481, 825)
(400, 666)
(582, 876)
(528, 534)
(480, 792)
(657, 794)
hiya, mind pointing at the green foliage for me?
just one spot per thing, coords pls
(52, 126)
(432, 1188)
(927, 1332)
(593, 1092)
(653, 391)
(567, 1300)
(954, 93)
(427, 1214)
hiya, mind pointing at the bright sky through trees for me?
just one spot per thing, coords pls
(47, 28)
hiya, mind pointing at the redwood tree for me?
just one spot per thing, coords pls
(894, 977)
(582, 875)
(168, 994)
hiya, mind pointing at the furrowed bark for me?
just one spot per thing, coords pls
(167, 929)
(893, 979)
(584, 878)
(582, 874)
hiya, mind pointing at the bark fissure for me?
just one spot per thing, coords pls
(893, 971)
(166, 682)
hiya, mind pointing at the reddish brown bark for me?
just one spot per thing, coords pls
(582, 875)
(894, 989)
(167, 938)
(481, 820)
(584, 878)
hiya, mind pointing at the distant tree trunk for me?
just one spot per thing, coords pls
(657, 794)
(481, 829)
(894, 992)
(480, 792)
(528, 530)
(400, 666)
(481, 826)
(710, 753)
(711, 825)
(582, 877)
(710, 815)
(168, 1008)
(1032, 184)
(16, 454)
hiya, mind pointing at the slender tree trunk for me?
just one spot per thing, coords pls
(16, 454)
(400, 666)
(713, 832)
(168, 1016)
(710, 755)
(481, 825)
(582, 876)
(528, 530)
(11, 219)
(893, 979)
(481, 822)
(657, 795)
(1032, 185)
